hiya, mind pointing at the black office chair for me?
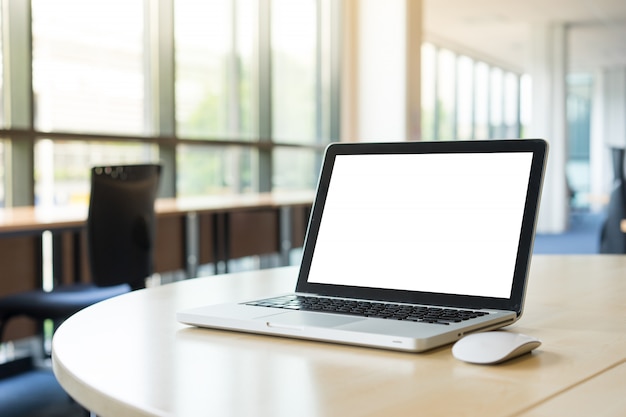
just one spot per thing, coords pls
(120, 234)
(612, 238)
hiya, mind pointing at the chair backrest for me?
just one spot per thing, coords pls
(121, 225)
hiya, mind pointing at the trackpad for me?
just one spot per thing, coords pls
(304, 319)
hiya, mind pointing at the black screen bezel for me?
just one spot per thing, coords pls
(539, 149)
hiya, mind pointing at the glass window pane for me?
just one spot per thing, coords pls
(215, 170)
(327, 125)
(481, 101)
(511, 105)
(91, 82)
(294, 70)
(62, 167)
(244, 117)
(525, 104)
(214, 78)
(465, 92)
(496, 103)
(579, 100)
(579, 105)
(428, 90)
(295, 169)
(446, 95)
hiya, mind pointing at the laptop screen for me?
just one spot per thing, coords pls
(443, 223)
(448, 223)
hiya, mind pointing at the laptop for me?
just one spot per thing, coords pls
(410, 246)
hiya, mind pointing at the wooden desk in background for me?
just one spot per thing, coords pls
(129, 357)
(189, 232)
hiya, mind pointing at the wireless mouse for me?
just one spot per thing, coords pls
(493, 347)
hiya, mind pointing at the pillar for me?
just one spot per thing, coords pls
(381, 70)
(548, 68)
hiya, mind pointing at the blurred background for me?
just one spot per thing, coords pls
(241, 96)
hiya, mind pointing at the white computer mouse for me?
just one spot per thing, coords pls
(493, 347)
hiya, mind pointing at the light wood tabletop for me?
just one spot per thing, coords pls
(36, 219)
(128, 356)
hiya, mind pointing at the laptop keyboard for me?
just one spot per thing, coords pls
(437, 315)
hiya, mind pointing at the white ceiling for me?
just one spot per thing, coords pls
(499, 31)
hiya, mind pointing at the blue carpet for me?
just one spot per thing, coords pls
(35, 393)
(582, 237)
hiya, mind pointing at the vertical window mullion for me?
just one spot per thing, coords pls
(319, 75)
(160, 110)
(18, 100)
(455, 111)
(489, 105)
(234, 76)
(503, 131)
(436, 109)
(473, 101)
(518, 100)
(265, 99)
(335, 71)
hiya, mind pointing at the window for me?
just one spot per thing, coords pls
(216, 170)
(496, 104)
(216, 94)
(511, 105)
(429, 90)
(525, 111)
(295, 169)
(215, 77)
(464, 98)
(446, 99)
(481, 101)
(294, 70)
(300, 90)
(578, 167)
(87, 77)
(62, 168)
(92, 83)
(240, 90)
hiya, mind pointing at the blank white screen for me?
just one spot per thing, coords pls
(444, 223)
